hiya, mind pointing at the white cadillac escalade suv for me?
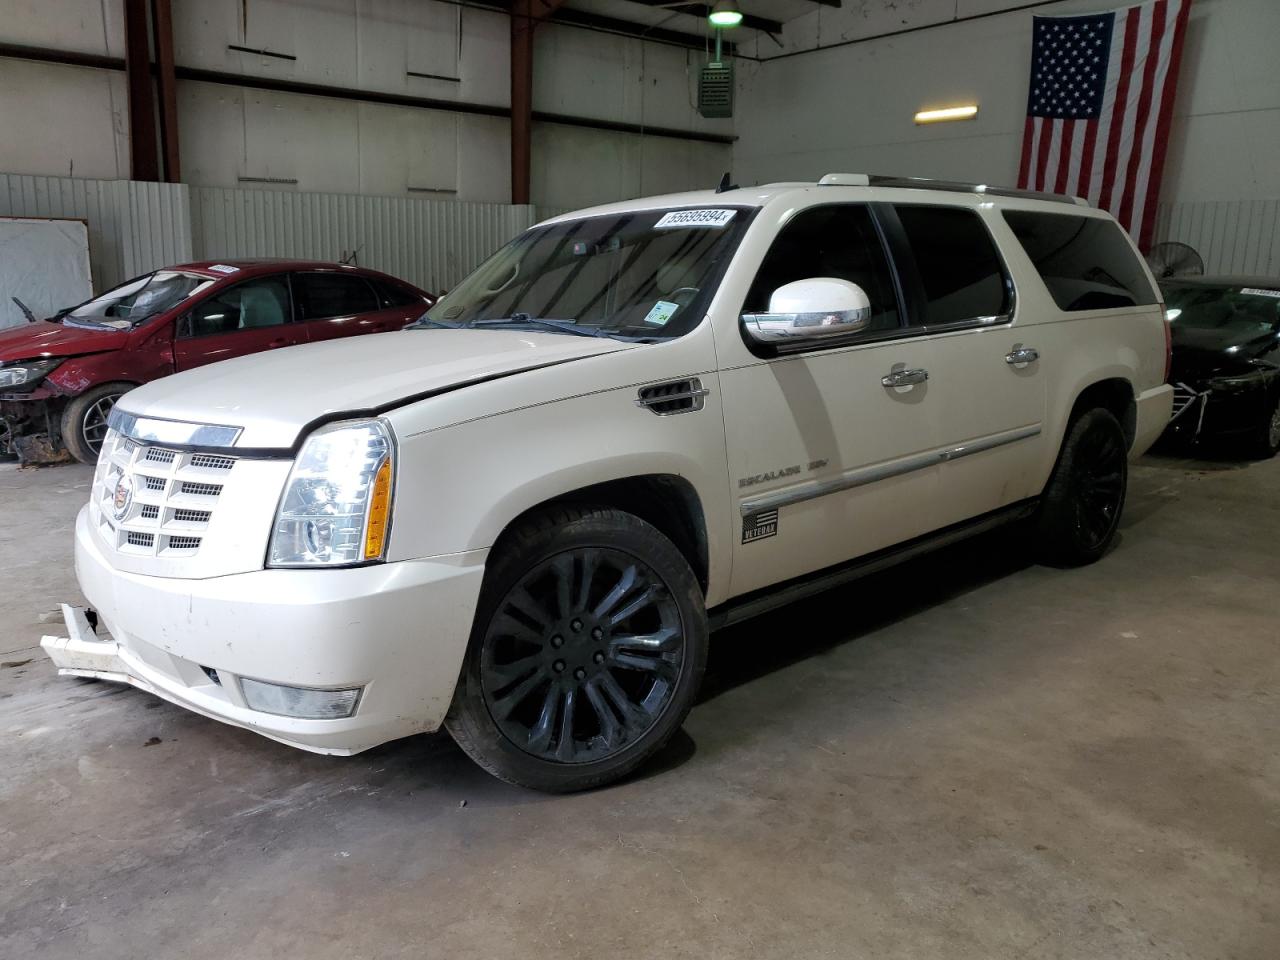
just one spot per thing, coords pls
(521, 518)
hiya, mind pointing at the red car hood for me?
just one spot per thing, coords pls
(44, 339)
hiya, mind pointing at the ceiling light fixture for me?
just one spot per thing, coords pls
(725, 13)
(967, 112)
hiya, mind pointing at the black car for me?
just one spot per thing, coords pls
(1226, 360)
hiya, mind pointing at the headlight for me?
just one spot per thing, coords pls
(27, 372)
(337, 504)
(1240, 382)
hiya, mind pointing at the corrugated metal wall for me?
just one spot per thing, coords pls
(1239, 237)
(133, 227)
(432, 243)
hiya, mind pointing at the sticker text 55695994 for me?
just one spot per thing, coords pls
(694, 218)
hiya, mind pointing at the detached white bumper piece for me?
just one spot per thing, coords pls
(331, 661)
(83, 653)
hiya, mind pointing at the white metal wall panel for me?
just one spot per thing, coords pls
(1235, 237)
(133, 227)
(432, 243)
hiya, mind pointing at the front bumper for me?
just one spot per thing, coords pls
(397, 630)
(1204, 410)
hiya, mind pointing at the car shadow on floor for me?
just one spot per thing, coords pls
(748, 651)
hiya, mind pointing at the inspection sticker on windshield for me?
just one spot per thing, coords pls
(1257, 292)
(694, 218)
(224, 268)
(662, 311)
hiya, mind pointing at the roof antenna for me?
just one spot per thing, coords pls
(725, 184)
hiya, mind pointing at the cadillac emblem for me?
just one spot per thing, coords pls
(123, 496)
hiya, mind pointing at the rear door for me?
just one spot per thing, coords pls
(335, 303)
(249, 317)
(987, 379)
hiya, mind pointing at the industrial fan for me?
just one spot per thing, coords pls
(1173, 259)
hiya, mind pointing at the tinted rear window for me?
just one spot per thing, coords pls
(394, 295)
(1086, 262)
(960, 270)
(323, 295)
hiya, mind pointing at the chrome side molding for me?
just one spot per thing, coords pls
(882, 471)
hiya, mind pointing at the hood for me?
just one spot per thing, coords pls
(1199, 353)
(272, 396)
(44, 339)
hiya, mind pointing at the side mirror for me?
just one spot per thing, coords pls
(807, 311)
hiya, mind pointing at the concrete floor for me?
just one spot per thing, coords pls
(964, 758)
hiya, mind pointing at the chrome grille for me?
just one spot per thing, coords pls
(172, 500)
(212, 461)
(201, 489)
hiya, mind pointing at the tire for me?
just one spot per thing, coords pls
(552, 696)
(84, 419)
(1266, 441)
(1081, 505)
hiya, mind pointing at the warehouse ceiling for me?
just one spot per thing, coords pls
(769, 16)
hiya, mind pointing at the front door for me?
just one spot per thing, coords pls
(828, 461)
(987, 381)
(249, 317)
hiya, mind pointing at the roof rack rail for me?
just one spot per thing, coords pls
(922, 183)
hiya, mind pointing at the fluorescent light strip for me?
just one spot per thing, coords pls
(967, 112)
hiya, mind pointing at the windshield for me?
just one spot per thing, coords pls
(637, 275)
(1235, 311)
(134, 301)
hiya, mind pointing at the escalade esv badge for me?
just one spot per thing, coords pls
(123, 496)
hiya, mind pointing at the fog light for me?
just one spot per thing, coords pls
(299, 701)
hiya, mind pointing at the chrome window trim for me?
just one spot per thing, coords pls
(173, 433)
(973, 323)
(862, 476)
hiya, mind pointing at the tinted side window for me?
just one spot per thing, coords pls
(246, 306)
(394, 295)
(322, 295)
(1086, 262)
(834, 241)
(959, 269)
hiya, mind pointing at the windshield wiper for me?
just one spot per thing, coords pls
(424, 321)
(523, 319)
(26, 311)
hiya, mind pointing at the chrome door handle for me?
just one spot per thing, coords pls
(905, 378)
(1022, 355)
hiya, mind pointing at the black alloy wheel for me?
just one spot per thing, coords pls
(1099, 476)
(1081, 505)
(582, 655)
(587, 651)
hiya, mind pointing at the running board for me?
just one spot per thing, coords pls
(771, 598)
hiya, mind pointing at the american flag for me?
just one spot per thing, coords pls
(1100, 103)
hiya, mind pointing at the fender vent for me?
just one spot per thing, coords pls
(678, 396)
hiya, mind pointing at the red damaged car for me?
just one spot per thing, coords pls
(59, 378)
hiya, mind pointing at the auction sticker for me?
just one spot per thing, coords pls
(1258, 292)
(694, 218)
(224, 268)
